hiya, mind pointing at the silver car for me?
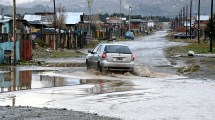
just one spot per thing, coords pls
(114, 57)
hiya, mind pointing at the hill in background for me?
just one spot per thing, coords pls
(168, 8)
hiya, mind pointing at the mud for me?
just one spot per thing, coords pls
(205, 65)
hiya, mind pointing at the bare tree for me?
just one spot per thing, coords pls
(60, 17)
(90, 4)
(95, 18)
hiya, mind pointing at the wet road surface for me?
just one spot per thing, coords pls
(149, 50)
(123, 96)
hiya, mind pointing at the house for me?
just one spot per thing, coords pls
(42, 23)
(38, 21)
(136, 25)
(202, 23)
(114, 20)
(4, 23)
(151, 24)
(73, 18)
(47, 18)
(23, 41)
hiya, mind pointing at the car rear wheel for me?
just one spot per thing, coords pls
(132, 72)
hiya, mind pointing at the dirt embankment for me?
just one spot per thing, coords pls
(196, 66)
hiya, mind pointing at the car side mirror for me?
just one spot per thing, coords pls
(89, 51)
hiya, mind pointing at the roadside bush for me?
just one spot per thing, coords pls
(42, 43)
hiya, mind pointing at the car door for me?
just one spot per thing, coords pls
(97, 56)
(91, 56)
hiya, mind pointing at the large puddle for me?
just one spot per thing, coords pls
(12, 79)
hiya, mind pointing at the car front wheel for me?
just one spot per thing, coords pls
(99, 67)
(88, 65)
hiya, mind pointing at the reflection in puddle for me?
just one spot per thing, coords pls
(66, 65)
(108, 86)
(15, 80)
(12, 79)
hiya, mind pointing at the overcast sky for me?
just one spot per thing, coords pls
(5, 2)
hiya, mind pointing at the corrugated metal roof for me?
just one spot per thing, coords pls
(32, 17)
(5, 17)
(137, 20)
(203, 17)
(3, 21)
(73, 17)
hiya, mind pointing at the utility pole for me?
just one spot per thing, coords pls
(186, 19)
(191, 2)
(90, 2)
(129, 29)
(54, 15)
(89, 35)
(212, 28)
(14, 45)
(120, 28)
(14, 32)
(55, 46)
(199, 22)
(179, 16)
(183, 16)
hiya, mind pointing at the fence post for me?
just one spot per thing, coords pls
(55, 42)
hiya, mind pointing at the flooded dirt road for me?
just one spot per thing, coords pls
(147, 95)
(149, 50)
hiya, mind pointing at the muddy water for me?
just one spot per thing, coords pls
(108, 86)
(14, 80)
(78, 64)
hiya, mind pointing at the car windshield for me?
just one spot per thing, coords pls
(117, 49)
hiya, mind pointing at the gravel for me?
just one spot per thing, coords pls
(31, 113)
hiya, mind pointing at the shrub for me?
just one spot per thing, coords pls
(42, 43)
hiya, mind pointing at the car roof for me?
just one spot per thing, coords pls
(106, 44)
